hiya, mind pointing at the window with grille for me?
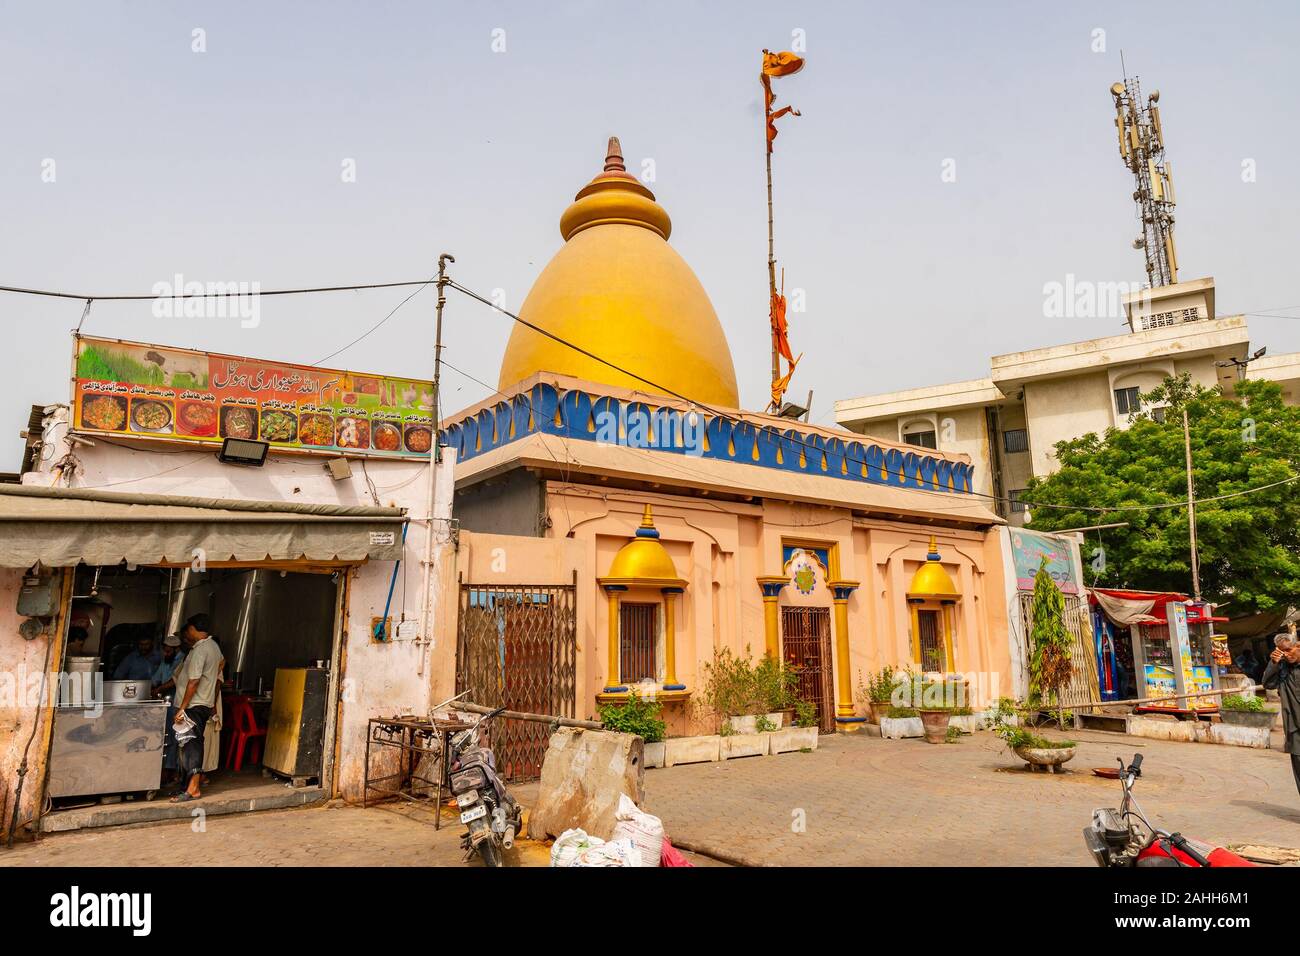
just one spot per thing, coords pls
(934, 656)
(1015, 439)
(1018, 505)
(926, 439)
(638, 629)
(1128, 400)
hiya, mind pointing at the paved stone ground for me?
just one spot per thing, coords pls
(868, 801)
(336, 835)
(390, 835)
(865, 801)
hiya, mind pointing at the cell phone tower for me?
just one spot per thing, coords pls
(1142, 147)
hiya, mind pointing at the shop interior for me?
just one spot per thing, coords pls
(277, 630)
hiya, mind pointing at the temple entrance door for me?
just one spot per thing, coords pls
(806, 646)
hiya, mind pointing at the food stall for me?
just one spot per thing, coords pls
(1155, 645)
(110, 735)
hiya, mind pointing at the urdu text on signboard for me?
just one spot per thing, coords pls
(131, 389)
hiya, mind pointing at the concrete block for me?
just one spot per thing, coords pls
(1198, 731)
(1159, 727)
(654, 755)
(1236, 736)
(691, 750)
(793, 738)
(583, 775)
(743, 725)
(969, 723)
(745, 745)
(896, 728)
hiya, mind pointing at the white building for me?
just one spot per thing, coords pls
(1010, 422)
(300, 564)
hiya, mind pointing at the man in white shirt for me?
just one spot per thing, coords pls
(197, 682)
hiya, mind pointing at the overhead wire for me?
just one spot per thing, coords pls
(424, 283)
(1118, 509)
(209, 295)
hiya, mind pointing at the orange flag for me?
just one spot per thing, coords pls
(777, 64)
(781, 343)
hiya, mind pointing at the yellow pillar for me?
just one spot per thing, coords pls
(949, 626)
(613, 679)
(771, 586)
(913, 609)
(840, 591)
(670, 640)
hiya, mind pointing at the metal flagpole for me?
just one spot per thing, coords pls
(771, 248)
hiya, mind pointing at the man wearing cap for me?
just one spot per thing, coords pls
(1283, 675)
(164, 685)
(164, 682)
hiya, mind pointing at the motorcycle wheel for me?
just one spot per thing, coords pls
(490, 853)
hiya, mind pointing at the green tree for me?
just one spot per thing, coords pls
(1249, 546)
(1050, 667)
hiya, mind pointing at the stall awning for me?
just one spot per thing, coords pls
(62, 527)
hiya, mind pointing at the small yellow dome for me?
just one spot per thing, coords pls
(618, 290)
(931, 580)
(643, 560)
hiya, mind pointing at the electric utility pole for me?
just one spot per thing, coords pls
(1191, 509)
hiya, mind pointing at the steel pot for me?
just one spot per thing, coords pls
(127, 691)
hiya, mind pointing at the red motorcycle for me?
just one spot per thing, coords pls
(1125, 837)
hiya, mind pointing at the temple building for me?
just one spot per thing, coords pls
(621, 518)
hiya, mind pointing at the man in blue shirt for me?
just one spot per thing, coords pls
(172, 655)
(140, 663)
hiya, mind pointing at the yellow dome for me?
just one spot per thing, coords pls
(617, 289)
(643, 560)
(931, 580)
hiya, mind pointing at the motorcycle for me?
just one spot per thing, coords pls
(491, 816)
(1125, 838)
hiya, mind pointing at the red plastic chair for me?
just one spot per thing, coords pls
(245, 731)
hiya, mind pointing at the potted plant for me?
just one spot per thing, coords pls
(935, 721)
(937, 702)
(641, 716)
(730, 692)
(877, 692)
(1246, 711)
(1050, 667)
(776, 687)
(1038, 753)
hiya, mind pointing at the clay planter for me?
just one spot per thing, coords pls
(1248, 718)
(935, 723)
(879, 709)
(1044, 758)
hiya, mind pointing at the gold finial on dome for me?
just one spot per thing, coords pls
(614, 157)
(648, 518)
(619, 291)
(615, 196)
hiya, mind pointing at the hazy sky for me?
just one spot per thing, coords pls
(227, 165)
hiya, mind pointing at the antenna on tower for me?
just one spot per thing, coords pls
(1142, 147)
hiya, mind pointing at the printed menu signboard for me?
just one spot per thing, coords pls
(149, 391)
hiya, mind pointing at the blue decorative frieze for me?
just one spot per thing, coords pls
(582, 416)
